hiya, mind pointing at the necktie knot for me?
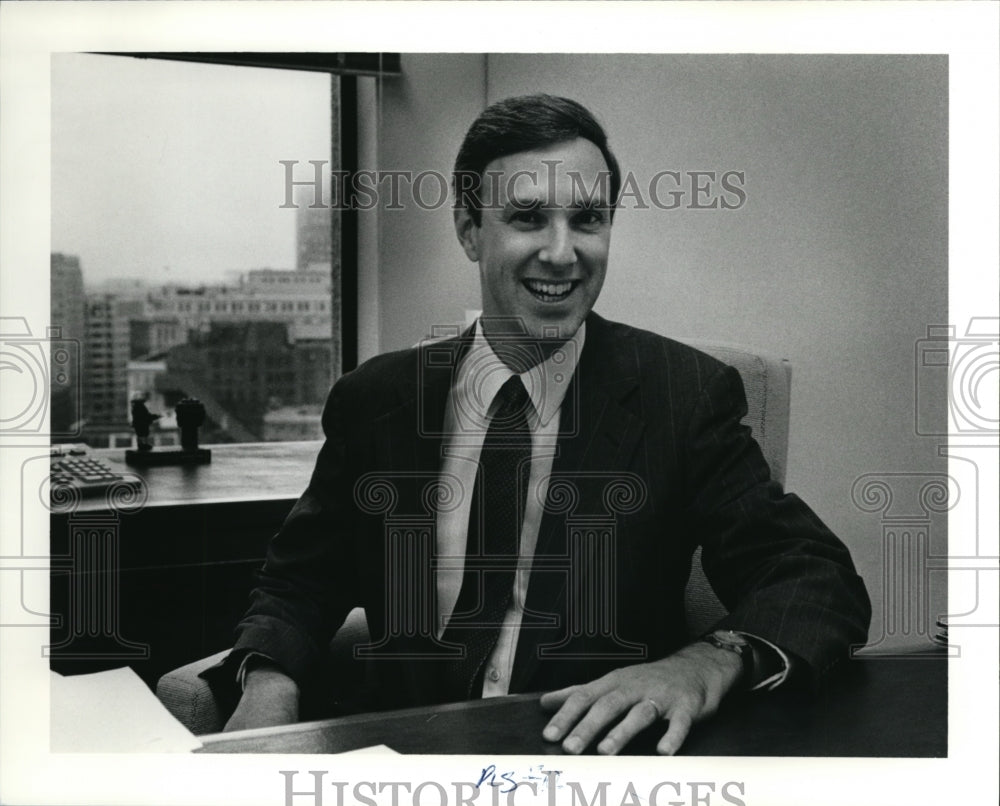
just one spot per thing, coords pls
(512, 405)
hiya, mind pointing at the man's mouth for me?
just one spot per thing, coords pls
(548, 291)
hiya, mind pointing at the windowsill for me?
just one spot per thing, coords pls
(256, 471)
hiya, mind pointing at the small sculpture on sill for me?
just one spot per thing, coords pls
(190, 417)
(142, 419)
(190, 414)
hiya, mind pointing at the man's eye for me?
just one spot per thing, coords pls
(589, 218)
(526, 217)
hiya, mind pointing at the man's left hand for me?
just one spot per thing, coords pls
(682, 689)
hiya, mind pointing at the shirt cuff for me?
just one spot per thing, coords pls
(250, 657)
(766, 657)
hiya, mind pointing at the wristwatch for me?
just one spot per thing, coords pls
(734, 642)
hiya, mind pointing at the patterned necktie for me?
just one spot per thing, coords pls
(494, 535)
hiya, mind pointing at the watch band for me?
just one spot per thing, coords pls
(734, 642)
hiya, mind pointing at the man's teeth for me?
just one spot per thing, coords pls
(549, 289)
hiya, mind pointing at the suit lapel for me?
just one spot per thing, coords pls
(598, 434)
(409, 436)
(408, 441)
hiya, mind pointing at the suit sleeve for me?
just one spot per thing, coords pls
(304, 590)
(781, 573)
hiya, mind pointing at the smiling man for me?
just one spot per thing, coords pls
(541, 412)
(542, 241)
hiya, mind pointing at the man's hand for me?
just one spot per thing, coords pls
(683, 688)
(270, 698)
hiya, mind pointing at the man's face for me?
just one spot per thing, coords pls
(542, 246)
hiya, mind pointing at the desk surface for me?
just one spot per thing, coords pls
(883, 707)
(260, 471)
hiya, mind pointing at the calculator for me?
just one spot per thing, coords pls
(76, 470)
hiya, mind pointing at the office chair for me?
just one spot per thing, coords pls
(767, 381)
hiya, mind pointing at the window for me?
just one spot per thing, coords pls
(167, 194)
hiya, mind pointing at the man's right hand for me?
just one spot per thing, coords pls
(270, 697)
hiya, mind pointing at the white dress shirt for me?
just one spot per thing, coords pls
(467, 416)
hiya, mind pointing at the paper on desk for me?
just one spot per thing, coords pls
(112, 712)
(375, 749)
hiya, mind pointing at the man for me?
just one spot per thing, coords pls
(541, 418)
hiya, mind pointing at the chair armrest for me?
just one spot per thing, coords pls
(190, 699)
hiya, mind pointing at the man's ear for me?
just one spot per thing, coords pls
(468, 233)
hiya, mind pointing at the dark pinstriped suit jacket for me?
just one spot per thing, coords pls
(649, 438)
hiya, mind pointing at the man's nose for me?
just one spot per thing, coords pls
(559, 249)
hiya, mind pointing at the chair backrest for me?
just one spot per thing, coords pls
(768, 382)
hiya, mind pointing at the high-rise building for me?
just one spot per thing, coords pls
(67, 320)
(317, 233)
(105, 359)
(66, 284)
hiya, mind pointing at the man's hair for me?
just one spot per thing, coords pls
(519, 124)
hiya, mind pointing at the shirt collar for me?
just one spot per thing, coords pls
(482, 373)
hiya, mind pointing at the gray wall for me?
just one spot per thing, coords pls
(423, 277)
(837, 260)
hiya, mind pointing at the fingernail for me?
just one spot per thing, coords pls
(573, 745)
(551, 733)
(606, 748)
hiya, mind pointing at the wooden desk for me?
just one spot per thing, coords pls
(181, 565)
(260, 471)
(881, 708)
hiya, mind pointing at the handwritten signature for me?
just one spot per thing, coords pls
(536, 778)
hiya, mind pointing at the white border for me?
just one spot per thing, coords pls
(29, 32)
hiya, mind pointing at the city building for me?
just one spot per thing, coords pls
(67, 321)
(155, 334)
(301, 300)
(317, 233)
(241, 371)
(266, 342)
(106, 354)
